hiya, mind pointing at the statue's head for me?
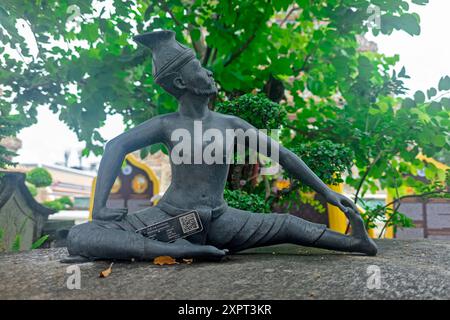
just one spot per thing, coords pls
(175, 67)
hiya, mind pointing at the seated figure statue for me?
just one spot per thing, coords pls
(197, 185)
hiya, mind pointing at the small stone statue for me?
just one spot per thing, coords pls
(196, 185)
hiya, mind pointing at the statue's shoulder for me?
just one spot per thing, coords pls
(166, 118)
(227, 117)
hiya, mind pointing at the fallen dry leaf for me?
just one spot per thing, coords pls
(188, 261)
(107, 272)
(164, 260)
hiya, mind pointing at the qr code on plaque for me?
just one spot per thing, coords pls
(189, 223)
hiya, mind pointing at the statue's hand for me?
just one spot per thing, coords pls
(351, 212)
(341, 201)
(110, 214)
(192, 250)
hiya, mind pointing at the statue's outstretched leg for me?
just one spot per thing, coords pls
(238, 230)
(359, 241)
(93, 241)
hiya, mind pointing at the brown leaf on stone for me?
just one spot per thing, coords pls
(164, 260)
(188, 261)
(107, 272)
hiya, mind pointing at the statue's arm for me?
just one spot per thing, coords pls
(298, 168)
(145, 134)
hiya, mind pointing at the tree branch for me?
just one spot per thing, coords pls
(366, 173)
(236, 54)
(309, 55)
(207, 55)
(294, 8)
(166, 8)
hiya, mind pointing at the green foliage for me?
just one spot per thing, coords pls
(39, 242)
(437, 189)
(328, 160)
(242, 200)
(16, 244)
(388, 135)
(15, 247)
(100, 70)
(385, 215)
(297, 196)
(32, 188)
(10, 124)
(62, 203)
(316, 204)
(257, 110)
(39, 177)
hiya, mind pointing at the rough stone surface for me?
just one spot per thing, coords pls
(409, 269)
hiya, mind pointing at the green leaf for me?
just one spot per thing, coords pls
(402, 74)
(424, 117)
(434, 107)
(420, 2)
(410, 23)
(16, 244)
(39, 242)
(431, 93)
(445, 102)
(439, 141)
(195, 34)
(419, 97)
(408, 103)
(430, 173)
(373, 111)
(444, 83)
(90, 31)
(282, 66)
(383, 106)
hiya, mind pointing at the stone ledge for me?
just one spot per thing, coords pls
(409, 269)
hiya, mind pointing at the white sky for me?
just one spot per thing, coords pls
(426, 58)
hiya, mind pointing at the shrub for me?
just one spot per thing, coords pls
(258, 110)
(59, 204)
(242, 200)
(326, 159)
(39, 177)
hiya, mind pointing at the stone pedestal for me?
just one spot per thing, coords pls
(403, 269)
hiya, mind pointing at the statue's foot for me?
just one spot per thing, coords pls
(363, 242)
(366, 246)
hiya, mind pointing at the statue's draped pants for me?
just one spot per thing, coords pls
(224, 228)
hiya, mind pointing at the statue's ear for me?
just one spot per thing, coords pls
(178, 82)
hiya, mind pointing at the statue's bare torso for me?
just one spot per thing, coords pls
(203, 184)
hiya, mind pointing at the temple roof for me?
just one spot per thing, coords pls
(10, 183)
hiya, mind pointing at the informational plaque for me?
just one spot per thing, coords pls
(169, 230)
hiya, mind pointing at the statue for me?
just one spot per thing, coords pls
(198, 186)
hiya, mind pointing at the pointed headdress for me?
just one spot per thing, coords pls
(168, 54)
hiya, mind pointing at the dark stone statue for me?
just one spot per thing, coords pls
(196, 185)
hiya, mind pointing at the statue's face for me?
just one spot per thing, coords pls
(196, 79)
